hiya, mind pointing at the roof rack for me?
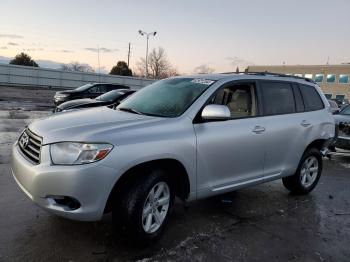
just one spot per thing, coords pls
(266, 73)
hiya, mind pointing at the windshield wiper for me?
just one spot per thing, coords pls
(130, 110)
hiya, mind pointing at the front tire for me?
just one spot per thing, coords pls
(143, 210)
(307, 175)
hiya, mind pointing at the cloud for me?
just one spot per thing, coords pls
(203, 69)
(66, 51)
(239, 62)
(3, 47)
(102, 49)
(10, 36)
(12, 43)
(33, 49)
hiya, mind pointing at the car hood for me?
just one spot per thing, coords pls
(342, 118)
(96, 124)
(67, 92)
(77, 102)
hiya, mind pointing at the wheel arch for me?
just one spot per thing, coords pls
(173, 166)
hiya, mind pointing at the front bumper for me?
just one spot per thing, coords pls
(90, 184)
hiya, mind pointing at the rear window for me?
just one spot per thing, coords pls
(312, 99)
(278, 98)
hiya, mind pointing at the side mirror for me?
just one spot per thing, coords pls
(216, 112)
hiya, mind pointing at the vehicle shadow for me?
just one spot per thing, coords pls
(53, 238)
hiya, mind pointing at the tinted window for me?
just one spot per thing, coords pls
(113, 87)
(278, 98)
(299, 103)
(312, 99)
(239, 99)
(94, 90)
(103, 88)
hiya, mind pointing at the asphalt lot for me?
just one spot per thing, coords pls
(262, 223)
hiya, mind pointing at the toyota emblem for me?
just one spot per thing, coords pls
(24, 140)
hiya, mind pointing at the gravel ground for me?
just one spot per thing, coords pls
(261, 223)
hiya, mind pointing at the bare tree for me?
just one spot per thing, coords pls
(203, 69)
(77, 67)
(158, 65)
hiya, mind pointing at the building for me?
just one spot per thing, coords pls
(333, 79)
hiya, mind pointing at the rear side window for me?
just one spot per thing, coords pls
(278, 98)
(312, 99)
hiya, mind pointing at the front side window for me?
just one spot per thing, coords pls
(239, 98)
(319, 78)
(312, 99)
(331, 78)
(343, 79)
(166, 98)
(103, 88)
(278, 98)
(94, 90)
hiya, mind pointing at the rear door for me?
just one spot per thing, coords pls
(282, 120)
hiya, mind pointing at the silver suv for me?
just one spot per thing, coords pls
(191, 137)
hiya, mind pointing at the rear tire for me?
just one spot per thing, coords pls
(143, 210)
(307, 175)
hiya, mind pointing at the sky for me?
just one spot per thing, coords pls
(219, 34)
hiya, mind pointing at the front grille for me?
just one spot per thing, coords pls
(30, 146)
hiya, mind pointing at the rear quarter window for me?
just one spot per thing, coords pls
(312, 99)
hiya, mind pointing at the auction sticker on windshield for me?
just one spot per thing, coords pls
(202, 81)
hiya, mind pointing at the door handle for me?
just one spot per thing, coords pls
(259, 129)
(305, 123)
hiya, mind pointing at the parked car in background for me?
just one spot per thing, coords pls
(334, 106)
(109, 98)
(340, 102)
(342, 120)
(86, 91)
(191, 137)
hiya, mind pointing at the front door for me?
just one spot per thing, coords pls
(231, 153)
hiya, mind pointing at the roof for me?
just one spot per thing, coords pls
(250, 75)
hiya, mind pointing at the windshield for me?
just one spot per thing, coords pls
(110, 96)
(346, 110)
(166, 98)
(84, 87)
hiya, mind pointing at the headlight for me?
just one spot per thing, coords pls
(61, 96)
(75, 153)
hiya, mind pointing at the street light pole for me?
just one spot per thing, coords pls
(142, 33)
(99, 66)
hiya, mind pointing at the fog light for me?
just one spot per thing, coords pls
(67, 202)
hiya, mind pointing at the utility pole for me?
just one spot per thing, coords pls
(129, 55)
